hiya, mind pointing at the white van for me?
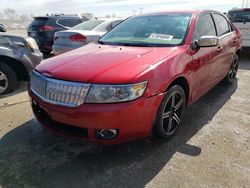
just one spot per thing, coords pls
(241, 20)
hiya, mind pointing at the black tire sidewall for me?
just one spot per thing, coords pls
(11, 77)
(226, 79)
(158, 131)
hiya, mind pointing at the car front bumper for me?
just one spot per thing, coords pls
(133, 120)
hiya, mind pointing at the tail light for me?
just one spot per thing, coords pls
(77, 38)
(46, 28)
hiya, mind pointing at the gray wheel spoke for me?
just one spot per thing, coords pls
(176, 118)
(170, 125)
(166, 115)
(173, 100)
(2, 76)
(235, 71)
(178, 105)
(2, 89)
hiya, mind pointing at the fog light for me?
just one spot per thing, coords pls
(106, 134)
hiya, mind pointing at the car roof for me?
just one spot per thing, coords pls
(182, 11)
(111, 19)
(239, 9)
(57, 16)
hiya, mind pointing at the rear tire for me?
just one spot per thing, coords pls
(8, 79)
(170, 113)
(231, 75)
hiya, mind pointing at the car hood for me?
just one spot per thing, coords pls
(95, 63)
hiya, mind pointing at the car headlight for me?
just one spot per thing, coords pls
(115, 93)
(32, 43)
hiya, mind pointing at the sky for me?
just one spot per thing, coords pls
(119, 7)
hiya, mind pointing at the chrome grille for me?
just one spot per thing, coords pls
(58, 91)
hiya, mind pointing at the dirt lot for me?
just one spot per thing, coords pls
(18, 32)
(211, 149)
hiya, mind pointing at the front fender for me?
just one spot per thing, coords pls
(10, 52)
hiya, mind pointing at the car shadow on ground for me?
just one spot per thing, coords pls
(33, 157)
(21, 87)
(245, 63)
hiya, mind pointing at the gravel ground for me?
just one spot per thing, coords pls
(210, 150)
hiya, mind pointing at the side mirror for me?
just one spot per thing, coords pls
(2, 28)
(208, 41)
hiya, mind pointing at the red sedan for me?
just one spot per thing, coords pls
(137, 80)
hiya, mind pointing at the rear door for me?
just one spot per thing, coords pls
(227, 45)
(241, 20)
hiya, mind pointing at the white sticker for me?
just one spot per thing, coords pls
(161, 36)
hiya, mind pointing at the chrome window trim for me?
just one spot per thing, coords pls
(227, 34)
(69, 83)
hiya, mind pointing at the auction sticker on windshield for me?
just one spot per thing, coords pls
(161, 36)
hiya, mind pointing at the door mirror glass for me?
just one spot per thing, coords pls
(2, 28)
(208, 41)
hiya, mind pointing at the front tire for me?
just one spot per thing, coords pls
(170, 113)
(8, 79)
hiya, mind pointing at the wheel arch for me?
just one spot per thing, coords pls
(17, 66)
(183, 82)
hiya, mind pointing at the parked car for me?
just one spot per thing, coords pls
(18, 57)
(2, 28)
(139, 79)
(43, 28)
(82, 34)
(241, 20)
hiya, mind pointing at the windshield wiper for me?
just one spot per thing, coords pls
(100, 42)
(137, 44)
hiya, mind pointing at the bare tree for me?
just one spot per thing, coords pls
(1, 16)
(107, 16)
(32, 16)
(24, 18)
(10, 14)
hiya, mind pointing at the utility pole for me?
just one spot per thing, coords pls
(141, 10)
(243, 3)
(134, 11)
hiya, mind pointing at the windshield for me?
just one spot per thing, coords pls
(88, 25)
(239, 16)
(156, 30)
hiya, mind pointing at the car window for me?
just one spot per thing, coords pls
(205, 27)
(103, 27)
(150, 30)
(239, 16)
(39, 22)
(115, 24)
(67, 22)
(222, 25)
(88, 25)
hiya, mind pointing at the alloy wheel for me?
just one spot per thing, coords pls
(3, 82)
(172, 113)
(234, 68)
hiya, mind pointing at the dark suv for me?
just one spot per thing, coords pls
(43, 28)
(19, 55)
